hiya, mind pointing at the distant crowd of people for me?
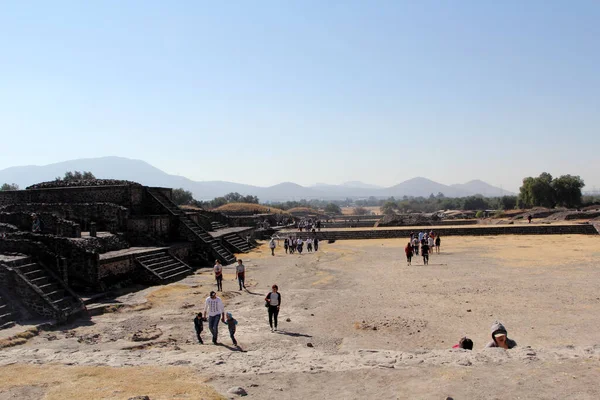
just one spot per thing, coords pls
(309, 225)
(423, 242)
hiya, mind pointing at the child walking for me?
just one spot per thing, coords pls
(199, 326)
(231, 323)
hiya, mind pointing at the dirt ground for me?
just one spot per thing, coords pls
(355, 322)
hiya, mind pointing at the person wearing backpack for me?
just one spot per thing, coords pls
(231, 323)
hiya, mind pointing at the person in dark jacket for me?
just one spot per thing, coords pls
(273, 301)
(199, 327)
(500, 337)
(231, 323)
(316, 243)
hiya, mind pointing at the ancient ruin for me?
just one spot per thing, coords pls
(60, 240)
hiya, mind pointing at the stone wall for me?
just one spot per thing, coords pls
(584, 229)
(107, 216)
(130, 196)
(149, 229)
(52, 224)
(82, 255)
(116, 269)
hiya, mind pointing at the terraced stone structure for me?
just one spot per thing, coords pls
(94, 234)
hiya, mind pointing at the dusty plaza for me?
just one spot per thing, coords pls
(355, 322)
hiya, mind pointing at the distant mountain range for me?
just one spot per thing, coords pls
(146, 174)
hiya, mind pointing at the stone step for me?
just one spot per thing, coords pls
(149, 256)
(7, 325)
(50, 287)
(6, 317)
(40, 281)
(56, 295)
(174, 271)
(156, 262)
(29, 267)
(171, 265)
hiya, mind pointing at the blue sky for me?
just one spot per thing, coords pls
(262, 92)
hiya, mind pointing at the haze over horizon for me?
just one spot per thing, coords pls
(306, 92)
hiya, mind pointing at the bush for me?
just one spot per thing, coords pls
(479, 214)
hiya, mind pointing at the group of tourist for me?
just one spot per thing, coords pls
(214, 309)
(292, 245)
(499, 339)
(425, 242)
(309, 225)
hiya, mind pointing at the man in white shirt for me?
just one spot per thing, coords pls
(214, 308)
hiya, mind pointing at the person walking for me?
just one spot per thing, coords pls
(240, 274)
(299, 244)
(231, 323)
(214, 308)
(273, 303)
(415, 245)
(199, 326)
(218, 268)
(316, 243)
(409, 253)
(425, 252)
(272, 246)
(438, 243)
(309, 245)
(285, 245)
(431, 243)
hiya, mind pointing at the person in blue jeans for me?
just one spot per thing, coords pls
(214, 308)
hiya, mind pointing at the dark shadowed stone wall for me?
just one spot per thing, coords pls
(130, 196)
(52, 224)
(107, 216)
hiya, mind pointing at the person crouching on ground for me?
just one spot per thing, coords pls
(500, 337)
(409, 252)
(231, 323)
(199, 326)
(464, 343)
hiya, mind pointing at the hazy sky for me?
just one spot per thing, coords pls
(262, 92)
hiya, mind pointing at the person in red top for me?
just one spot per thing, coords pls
(409, 252)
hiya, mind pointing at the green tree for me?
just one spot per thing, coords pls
(567, 190)
(537, 191)
(233, 197)
(9, 186)
(76, 175)
(181, 196)
(508, 202)
(475, 203)
(249, 199)
(360, 211)
(333, 208)
(389, 207)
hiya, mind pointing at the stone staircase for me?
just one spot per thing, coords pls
(195, 230)
(217, 225)
(54, 290)
(236, 242)
(6, 317)
(163, 266)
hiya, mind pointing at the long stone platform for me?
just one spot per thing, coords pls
(483, 230)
